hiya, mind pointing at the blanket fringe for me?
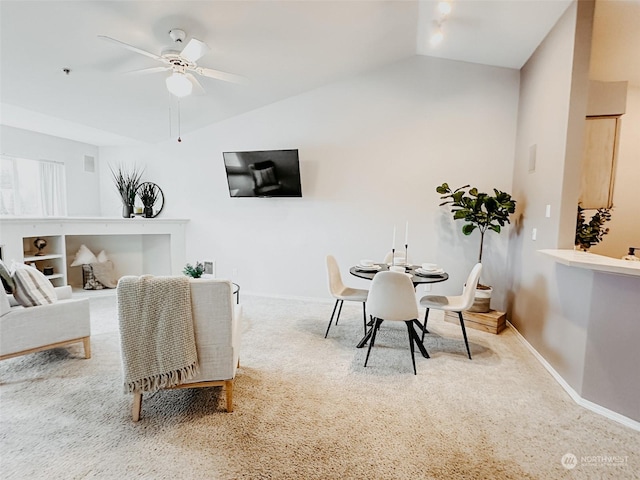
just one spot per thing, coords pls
(164, 380)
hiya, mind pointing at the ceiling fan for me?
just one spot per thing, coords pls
(181, 82)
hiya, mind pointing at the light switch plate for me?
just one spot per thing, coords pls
(532, 157)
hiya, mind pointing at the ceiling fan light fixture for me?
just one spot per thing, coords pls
(179, 85)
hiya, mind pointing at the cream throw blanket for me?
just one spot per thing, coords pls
(156, 332)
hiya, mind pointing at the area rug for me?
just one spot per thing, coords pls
(306, 408)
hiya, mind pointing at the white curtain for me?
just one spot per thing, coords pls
(53, 189)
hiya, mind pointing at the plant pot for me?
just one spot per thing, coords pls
(148, 212)
(127, 210)
(482, 300)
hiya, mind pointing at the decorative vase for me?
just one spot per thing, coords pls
(148, 212)
(127, 210)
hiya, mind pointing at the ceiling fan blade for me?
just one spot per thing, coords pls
(144, 71)
(197, 87)
(133, 49)
(194, 50)
(219, 75)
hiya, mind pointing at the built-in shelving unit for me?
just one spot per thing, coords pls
(50, 258)
(135, 246)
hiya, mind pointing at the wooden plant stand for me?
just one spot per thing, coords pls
(492, 321)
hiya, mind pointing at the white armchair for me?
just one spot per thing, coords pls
(33, 329)
(217, 322)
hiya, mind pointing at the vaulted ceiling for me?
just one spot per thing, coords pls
(283, 48)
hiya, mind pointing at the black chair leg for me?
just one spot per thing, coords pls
(410, 331)
(464, 334)
(373, 338)
(339, 311)
(364, 316)
(331, 319)
(424, 325)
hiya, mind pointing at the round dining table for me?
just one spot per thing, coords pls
(416, 278)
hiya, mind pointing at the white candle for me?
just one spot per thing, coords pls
(393, 243)
(406, 234)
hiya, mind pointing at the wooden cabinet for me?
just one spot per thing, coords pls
(599, 162)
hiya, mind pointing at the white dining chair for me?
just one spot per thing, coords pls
(454, 303)
(393, 298)
(341, 293)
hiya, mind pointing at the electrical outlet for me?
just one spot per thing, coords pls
(547, 212)
(534, 234)
(234, 272)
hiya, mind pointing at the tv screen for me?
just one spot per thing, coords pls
(265, 173)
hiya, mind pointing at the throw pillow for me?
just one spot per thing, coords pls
(4, 304)
(83, 256)
(32, 287)
(103, 271)
(7, 281)
(102, 257)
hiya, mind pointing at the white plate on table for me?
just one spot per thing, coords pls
(368, 268)
(433, 272)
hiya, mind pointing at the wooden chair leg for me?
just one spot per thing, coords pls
(364, 316)
(228, 389)
(424, 325)
(136, 407)
(339, 311)
(464, 334)
(86, 341)
(375, 328)
(411, 332)
(331, 319)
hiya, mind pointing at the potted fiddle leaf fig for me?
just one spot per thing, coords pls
(481, 211)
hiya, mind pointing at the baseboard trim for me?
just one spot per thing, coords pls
(589, 405)
(326, 299)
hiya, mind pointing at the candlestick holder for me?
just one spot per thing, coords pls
(406, 256)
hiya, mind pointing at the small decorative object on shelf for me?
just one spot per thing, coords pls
(152, 199)
(194, 271)
(127, 185)
(591, 233)
(39, 243)
(47, 270)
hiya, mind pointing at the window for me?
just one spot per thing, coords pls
(32, 188)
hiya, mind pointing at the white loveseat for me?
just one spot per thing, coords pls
(33, 329)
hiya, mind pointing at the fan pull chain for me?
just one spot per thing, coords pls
(179, 139)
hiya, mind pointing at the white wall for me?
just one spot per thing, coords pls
(624, 227)
(83, 197)
(372, 151)
(539, 306)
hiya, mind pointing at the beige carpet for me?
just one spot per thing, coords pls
(307, 409)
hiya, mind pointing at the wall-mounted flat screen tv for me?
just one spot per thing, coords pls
(265, 173)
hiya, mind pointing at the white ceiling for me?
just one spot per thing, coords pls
(284, 48)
